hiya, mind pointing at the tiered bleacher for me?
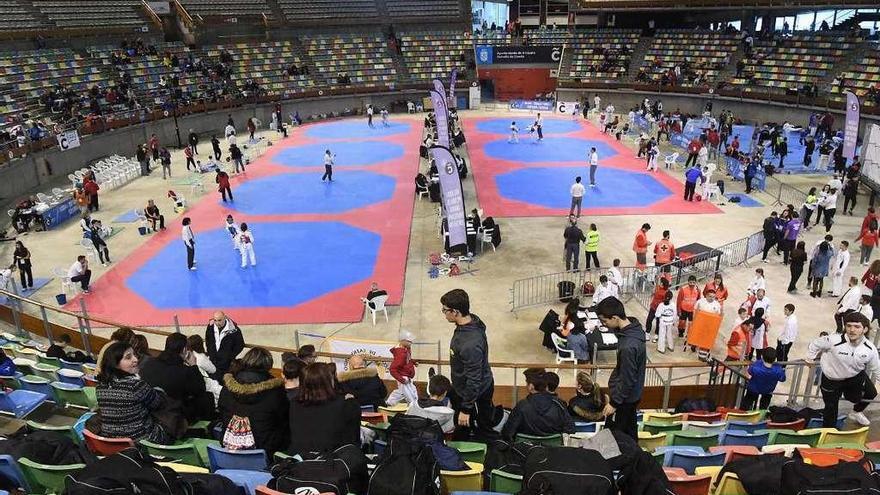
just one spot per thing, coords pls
(430, 54)
(16, 16)
(365, 59)
(147, 71)
(795, 61)
(307, 10)
(602, 55)
(93, 13)
(267, 63)
(407, 9)
(695, 52)
(863, 79)
(227, 8)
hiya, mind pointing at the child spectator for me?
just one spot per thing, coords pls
(589, 401)
(764, 374)
(436, 405)
(788, 335)
(403, 369)
(552, 382)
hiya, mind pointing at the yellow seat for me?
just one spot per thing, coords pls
(833, 435)
(649, 442)
(470, 480)
(730, 485)
(787, 448)
(749, 417)
(663, 418)
(390, 411)
(712, 471)
(184, 468)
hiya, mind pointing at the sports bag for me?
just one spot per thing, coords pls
(844, 478)
(341, 471)
(506, 456)
(129, 472)
(407, 466)
(428, 432)
(588, 289)
(566, 290)
(567, 470)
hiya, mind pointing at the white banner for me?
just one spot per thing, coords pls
(566, 107)
(68, 140)
(366, 348)
(871, 155)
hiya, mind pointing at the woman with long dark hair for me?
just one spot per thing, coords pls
(125, 401)
(321, 419)
(797, 259)
(22, 259)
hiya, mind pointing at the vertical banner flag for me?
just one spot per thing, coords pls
(851, 128)
(441, 114)
(452, 79)
(450, 193)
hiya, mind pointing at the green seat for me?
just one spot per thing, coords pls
(549, 440)
(10, 382)
(501, 482)
(67, 430)
(843, 445)
(75, 397)
(470, 451)
(659, 457)
(202, 448)
(873, 455)
(381, 430)
(693, 438)
(51, 361)
(654, 428)
(811, 438)
(182, 453)
(45, 371)
(45, 479)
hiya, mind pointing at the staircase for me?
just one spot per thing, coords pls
(729, 72)
(403, 75)
(310, 63)
(638, 57)
(565, 63)
(852, 58)
(33, 10)
(277, 13)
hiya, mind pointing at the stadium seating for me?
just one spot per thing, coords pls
(266, 63)
(227, 8)
(312, 10)
(706, 52)
(864, 76)
(147, 70)
(91, 13)
(17, 16)
(432, 54)
(435, 9)
(364, 58)
(587, 59)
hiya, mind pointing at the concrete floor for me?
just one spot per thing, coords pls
(531, 246)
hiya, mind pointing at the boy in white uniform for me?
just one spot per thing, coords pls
(385, 117)
(758, 282)
(666, 316)
(514, 133)
(246, 246)
(232, 228)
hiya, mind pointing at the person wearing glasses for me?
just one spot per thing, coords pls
(223, 343)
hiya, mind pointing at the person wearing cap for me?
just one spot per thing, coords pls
(403, 369)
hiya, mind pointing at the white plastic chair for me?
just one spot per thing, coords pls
(410, 107)
(66, 284)
(89, 249)
(379, 303)
(671, 160)
(58, 193)
(563, 355)
(487, 237)
(422, 190)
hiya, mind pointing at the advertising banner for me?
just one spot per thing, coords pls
(566, 107)
(68, 139)
(441, 114)
(539, 105)
(450, 194)
(851, 128)
(452, 101)
(366, 348)
(871, 157)
(539, 54)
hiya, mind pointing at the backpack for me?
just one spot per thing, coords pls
(758, 474)
(416, 429)
(641, 475)
(588, 289)
(566, 290)
(566, 470)
(129, 472)
(694, 405)
(780, 414)
(341, 471)
(507, 457)
(407, 466)
(45, 447)
(238, 434)
(850, 478)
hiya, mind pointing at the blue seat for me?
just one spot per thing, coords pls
(368, 408)
(11, 471)
(37, 384)
(71, 377)
(735, 437)
(379, 446)
(252, 460)
(249, 480)
(80, 424)
(746, 426)
(20, 403)
(580, 427)
(668, 450)
(690, 461)
(71, 365)
(817, 422)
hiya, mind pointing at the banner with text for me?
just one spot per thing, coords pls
(450, 194)
(441, 114)
(567, 107)
(539, 105)
(366, 348)
(539, 55)
(851, 128)
(452, 101)
(68, 139)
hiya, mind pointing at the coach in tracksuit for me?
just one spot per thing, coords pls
(850, 366)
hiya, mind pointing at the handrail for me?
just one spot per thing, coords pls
(183, 14)
(151, 14)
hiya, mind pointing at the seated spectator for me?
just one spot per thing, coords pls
(292, 371)
(126, 402)
(206, 368)
(436, 405)
(321, 420)
(540, 413)
(7, 366)
(589, 402)
(141, 349)
(121, 334)
(363, 383)
(251, 393)
(60, 349)
(375, 292)
(176, 373)
(305, 353)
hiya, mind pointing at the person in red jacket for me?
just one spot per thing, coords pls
(714, 140)
(870, 218)
(640, 245)
(687, 300)
(91, 188)
(403, 369)
(222, 181)
(693, 150)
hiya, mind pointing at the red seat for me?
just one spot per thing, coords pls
(106, 446)
(89, 381)
(735, 451)
(686, 484)
(875, 445)
(264, 490)
(373, 418)
(794, 425)
(709, 417)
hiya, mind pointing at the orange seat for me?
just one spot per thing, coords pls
(264, 490)
(725, 410)
(373, 418)
(89, 381)
(794, 425)
(830, 457)
(709, 417)
(686, 484)
(99, 445)
(735, 451)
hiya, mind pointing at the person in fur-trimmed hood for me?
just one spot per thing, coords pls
(363, 383)
(252, 392)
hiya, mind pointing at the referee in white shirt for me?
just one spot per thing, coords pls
(577, 196)
(850, 366)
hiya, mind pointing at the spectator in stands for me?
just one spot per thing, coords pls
(472, 382)
(175, 371)
(292, 370)
(61, 349)
(206, 368)
(223, 342)
(436, 405)
(253, 393)
(540, 413)
(589, 401)
(363, 382)
(627, 381)
(126, 402)
(322, 420)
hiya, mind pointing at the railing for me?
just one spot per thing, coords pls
(183, 15)
(545, 289)
(154, 18)
(784, 194)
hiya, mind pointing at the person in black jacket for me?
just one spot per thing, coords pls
(541, 413)
(573, 236)
(473, 384)
(770, 237)
(193, 140)
(627, 380)
(223, 343)
(175, 372)
(321, 419)
(253, 393)
(363, 383)
(61, 349)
